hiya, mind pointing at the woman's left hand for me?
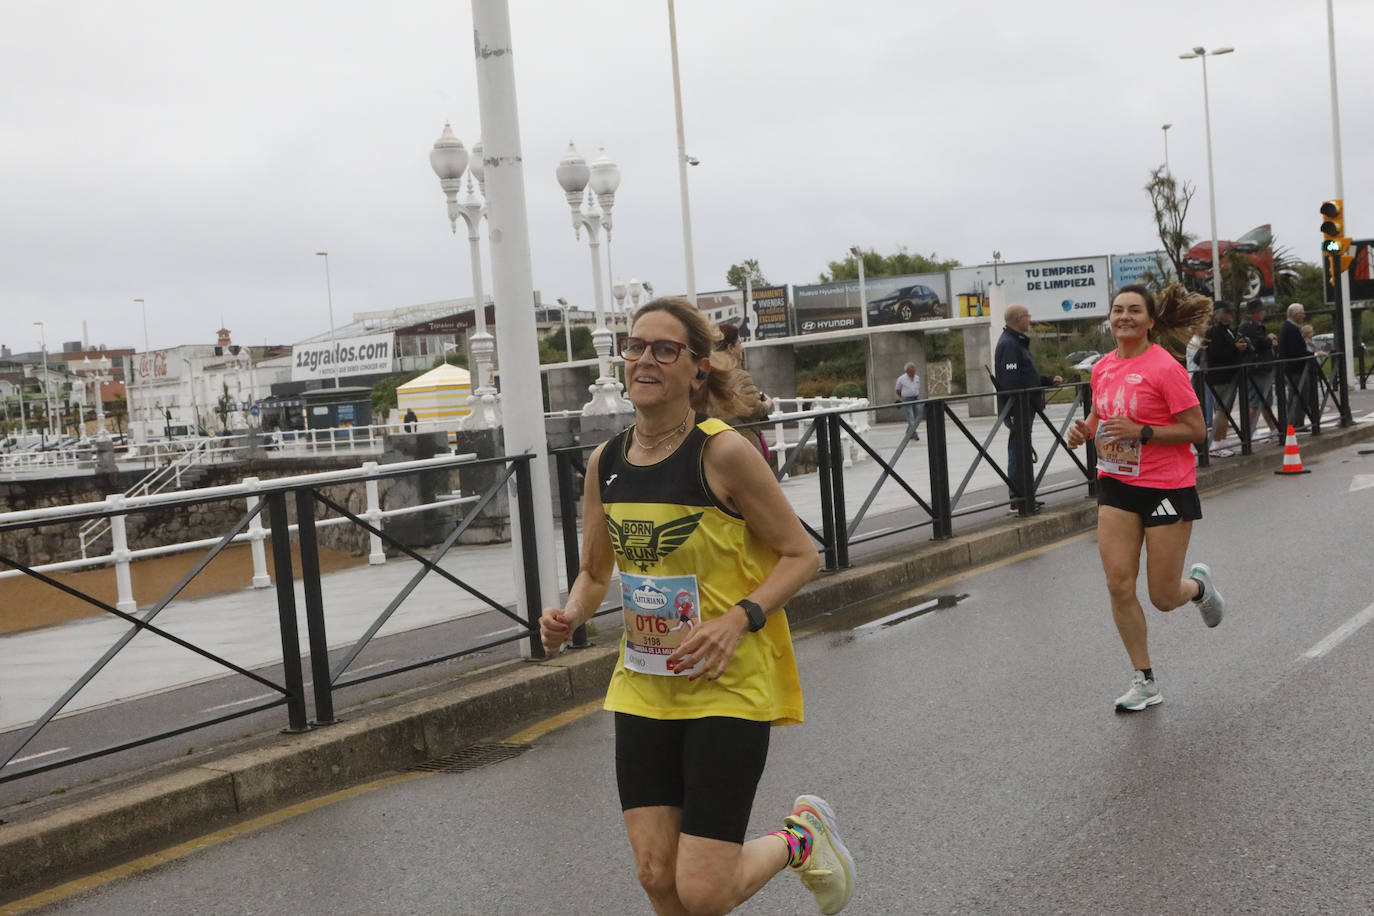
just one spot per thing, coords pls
(709, 648)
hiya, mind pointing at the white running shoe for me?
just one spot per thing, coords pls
(828, 872)
(1211, 603)
(1143, 693)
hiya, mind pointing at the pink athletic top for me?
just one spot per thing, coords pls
(1149, 389)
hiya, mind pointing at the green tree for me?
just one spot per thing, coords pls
(553, 347)
(383, 395)
(899, 264)
(119, 412)
(223, 407)
(1169, 199)
(748, 269)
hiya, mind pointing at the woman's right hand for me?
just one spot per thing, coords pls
(554, 630)
(1079, 433)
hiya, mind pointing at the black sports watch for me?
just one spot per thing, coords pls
(1147, 433)
(757, 618)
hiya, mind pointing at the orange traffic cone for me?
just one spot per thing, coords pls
(1292, 461)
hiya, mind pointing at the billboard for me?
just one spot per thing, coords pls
(1129, 268)
(968, 290)
(771, 311)
(347, 356)
(1060, 290)
(891, 300)
(1361, 277)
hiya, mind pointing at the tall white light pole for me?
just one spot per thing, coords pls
(329, 291)
(567, 328)
(1165, 128)
(47, 401)
(1344, 279)
(1203, 54)
(682, 162)
(450, 160)
(522, 400)
(146, 386)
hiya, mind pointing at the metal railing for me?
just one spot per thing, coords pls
(272, 499)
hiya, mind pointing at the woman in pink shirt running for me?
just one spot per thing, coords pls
(1144, 419)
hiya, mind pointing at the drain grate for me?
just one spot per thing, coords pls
(471, 758)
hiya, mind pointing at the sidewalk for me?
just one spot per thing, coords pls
(95, 831)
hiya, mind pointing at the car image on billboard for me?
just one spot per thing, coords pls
(908, 303)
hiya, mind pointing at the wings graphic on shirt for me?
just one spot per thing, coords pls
(644, 543)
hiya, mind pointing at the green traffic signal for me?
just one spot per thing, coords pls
(1332, 245)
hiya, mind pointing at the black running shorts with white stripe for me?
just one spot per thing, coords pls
(1155, 506)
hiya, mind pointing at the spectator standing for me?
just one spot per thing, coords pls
(1015, 371)
(909, 393)
(731, 343)
(1224, 349)
(1298, 365)
(1259, 355)
(410, 419)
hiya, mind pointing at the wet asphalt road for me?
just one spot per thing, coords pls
(971, 753)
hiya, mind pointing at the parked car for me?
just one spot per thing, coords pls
(906, 304)
(1086, 364)
(1324, 343)
(1079, 355)
(1257, 244)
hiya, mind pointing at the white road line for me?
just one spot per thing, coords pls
(501, 632)
(905, 612)
(1341, 633)
(243, 702)
(268, 696)
(36, 756)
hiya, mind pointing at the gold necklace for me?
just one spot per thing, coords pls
(658, 441)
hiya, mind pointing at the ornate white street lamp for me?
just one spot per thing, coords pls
(604, 177)
(99, 377)
(449, 160)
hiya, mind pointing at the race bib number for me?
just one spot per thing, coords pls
(1118, 456)
(660, 612)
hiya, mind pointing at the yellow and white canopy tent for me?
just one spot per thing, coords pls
(440, 394)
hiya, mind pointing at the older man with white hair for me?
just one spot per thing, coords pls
(1298, 365)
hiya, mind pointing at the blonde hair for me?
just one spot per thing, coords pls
(728, 391)
(1179, 315)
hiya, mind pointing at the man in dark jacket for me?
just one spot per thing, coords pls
(1016, 370)
(1259, 356)
(1224, 350)
(1301, 369)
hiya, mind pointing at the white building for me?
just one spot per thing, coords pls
(185, 388)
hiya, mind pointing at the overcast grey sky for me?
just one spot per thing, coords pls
(197, 155)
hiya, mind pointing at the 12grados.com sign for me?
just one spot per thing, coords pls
(346, 356)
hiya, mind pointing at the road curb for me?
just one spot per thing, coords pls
(98, 832)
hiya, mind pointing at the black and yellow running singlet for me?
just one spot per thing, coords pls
(684, 559)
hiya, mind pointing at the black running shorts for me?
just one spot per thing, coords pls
(710, 768)
(1154, 506)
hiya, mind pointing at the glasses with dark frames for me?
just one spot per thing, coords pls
(665, 352)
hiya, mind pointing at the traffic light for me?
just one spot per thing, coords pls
(1335, 243)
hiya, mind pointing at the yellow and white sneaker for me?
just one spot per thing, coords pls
(828, 872)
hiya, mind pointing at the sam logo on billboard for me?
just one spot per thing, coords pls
(1070, 305)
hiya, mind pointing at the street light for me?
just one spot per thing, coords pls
(574, 175)
(567, 329)
(147, 394)
(450, 160)
(863, 287)
(329, 291)
(683, 160)
(47, 402)
(1165, 128)
(1202, 53)
(100, 378)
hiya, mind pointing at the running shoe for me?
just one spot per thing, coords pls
(1143, 693)
(828, 872)
(1211, 602)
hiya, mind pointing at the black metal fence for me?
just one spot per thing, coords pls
(289, 690)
